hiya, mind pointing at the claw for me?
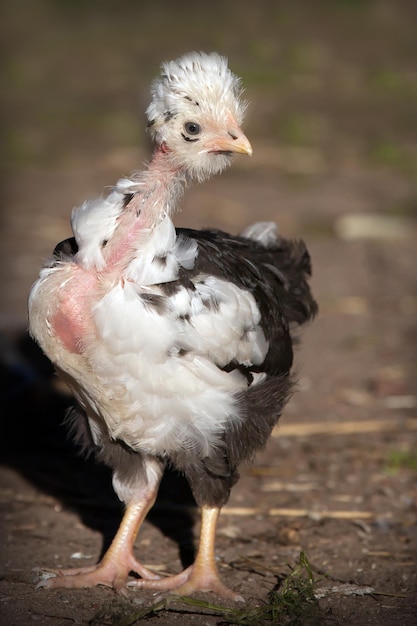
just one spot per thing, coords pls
(190, 581)
(203, 575)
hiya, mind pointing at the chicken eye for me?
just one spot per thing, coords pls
(192, 128)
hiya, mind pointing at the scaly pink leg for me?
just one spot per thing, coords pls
(203, 574)
(113, 570)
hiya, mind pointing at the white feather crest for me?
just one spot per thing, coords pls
(198, 77)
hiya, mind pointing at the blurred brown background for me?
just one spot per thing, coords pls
(332, 119)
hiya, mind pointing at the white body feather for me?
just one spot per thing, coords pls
(92, 223)
(153, 378)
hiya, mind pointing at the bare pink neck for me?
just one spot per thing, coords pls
(159, 189)
(163, 185)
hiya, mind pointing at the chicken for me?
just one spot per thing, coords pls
(176, 343)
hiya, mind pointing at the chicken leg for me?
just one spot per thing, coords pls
(203, 574)
(114, 568)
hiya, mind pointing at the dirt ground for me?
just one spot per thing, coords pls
(333, 94)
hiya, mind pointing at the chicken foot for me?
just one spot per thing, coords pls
(203, 574)
(114, 568)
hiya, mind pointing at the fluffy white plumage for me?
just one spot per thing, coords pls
(92, 223)
(159, 259)
(166, 400)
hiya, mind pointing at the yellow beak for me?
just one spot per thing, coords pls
(234, 140)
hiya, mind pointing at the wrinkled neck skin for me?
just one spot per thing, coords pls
(157, 191)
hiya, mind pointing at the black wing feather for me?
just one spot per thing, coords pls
(276, 275)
